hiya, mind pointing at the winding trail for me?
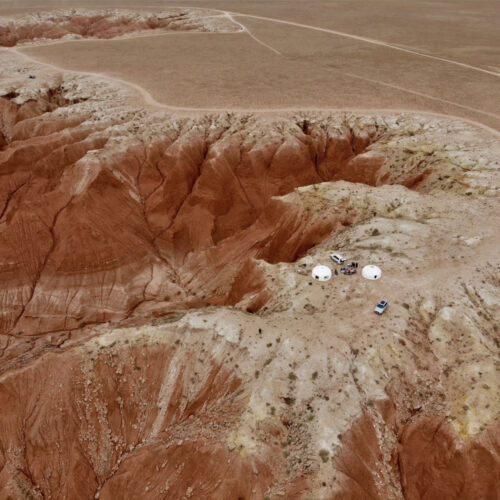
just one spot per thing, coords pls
(371, 41)
(339, 33)
(421, 94)
(149, 100)
(231, 15)
(246, 30)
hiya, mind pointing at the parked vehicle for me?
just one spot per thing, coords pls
(348, 270)
(381, 307)
(337, 258)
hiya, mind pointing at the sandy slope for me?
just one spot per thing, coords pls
(162, 337)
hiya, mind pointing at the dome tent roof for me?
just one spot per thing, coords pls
(321, 273)
(371, 272)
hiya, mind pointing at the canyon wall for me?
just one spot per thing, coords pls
(122, 229)
(92, 232)
(106, 24)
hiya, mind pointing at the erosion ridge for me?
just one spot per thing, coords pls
(121, 227)
(74, 24)
(155, 398)
(180, 201)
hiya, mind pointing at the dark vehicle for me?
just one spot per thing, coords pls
(348, 270)
(381, 307)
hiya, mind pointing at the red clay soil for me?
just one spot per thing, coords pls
(427, 460)
(83, 422)
(78, 425)
(176, 222)
(93, 231)
(103, 25)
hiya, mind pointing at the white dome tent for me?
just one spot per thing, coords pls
(322, 273)
(371, 272)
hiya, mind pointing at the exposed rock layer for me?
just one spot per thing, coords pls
(171, 404)
(113, 214)
(80, 23)
(428, 460)
(179, 219)
(131, 410)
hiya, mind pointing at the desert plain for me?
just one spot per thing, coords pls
(169, 177)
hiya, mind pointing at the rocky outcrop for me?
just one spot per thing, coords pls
(100, 222)
(114, 222)
(156, 407)
(427, 459)
(105, 24)
(92, 232)
(435, 463)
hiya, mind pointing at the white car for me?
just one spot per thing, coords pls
(381, 307)
(336, 257)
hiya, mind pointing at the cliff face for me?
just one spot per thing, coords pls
(121, 230)
(383, 457)
(93, 233)
(106, 24)
(157, 408)
(163, 412)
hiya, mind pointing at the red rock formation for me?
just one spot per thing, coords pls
(436, 464)
(81, 423)
(174, 223)
(428, 461)
(102, 220)
(361, 463)
(99, 24)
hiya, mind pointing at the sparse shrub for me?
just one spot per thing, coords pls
(292, 376)
(375, 232)
(314, 376)
(324, 455)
